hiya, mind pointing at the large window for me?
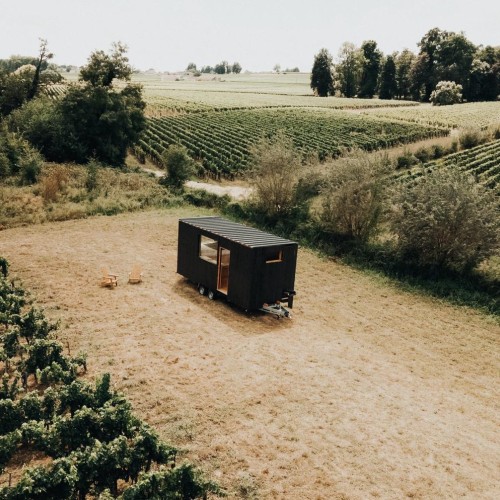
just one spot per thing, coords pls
(208, 249)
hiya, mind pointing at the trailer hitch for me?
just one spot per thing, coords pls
(276, 310)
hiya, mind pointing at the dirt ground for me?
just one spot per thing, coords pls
(367, 392)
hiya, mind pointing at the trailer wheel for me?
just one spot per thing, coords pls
(201, 289)
(211, 295)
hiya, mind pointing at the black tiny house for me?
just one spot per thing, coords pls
(247, 266)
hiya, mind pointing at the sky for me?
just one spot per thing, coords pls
(167, 35)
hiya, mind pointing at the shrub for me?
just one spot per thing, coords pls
(275, 166)
(30, 166)
(471, 137)
(54, 182)
(423, 155)
(437, 151)
(354, 196)
(406, 160)
(179, 166)
(446, 93)
(446, 221)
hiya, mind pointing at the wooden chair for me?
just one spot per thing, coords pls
(108, 279)
(135, 276)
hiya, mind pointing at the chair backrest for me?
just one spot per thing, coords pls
(135, 275)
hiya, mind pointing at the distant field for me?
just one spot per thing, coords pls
(221, 140)
(171, 94)
(475, 114)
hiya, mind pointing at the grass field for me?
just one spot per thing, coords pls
(367, 392)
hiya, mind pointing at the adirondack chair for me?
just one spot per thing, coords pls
(108, 279)
(135, 276)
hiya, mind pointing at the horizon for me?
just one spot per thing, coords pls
(259, 35)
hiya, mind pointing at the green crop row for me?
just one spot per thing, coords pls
(221, 141)
(481, 162)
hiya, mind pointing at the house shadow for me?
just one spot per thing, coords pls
(235, 318)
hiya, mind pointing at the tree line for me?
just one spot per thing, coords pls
(221, 68)
(443, 56)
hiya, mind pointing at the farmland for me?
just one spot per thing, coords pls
(221, 140)
(468, 115)
(481, 162)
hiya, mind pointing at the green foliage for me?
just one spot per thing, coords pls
(178, 164)
(406, 160)
(388, 83)
(183, 482)
(322, 74)
(446, 93)
(446, 221)
(101, 68)
(348, 70)
(470, 138)
(91, 120)
(372, 58)
(354, 196)
(274, 174)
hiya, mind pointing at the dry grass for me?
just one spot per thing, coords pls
(366, 392)
(61, 194)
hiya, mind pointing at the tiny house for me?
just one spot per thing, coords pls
(249, 267)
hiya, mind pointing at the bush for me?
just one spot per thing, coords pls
(179, 166)
(275, 166)
(446, 93)
(423, 155)
(30, 166)
(446, 221)
(406, 160)
(471, 137)
(437, 151)
(354, 196)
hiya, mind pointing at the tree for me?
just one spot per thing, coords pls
(354, 196)
(446, 93)
(92, 120)
(178, 164)
(454, 60)
(222, 68)
(370, 69)
(404, 62)
(348, 69)
(429, 47)
(277, 68)
(101, 68)
(322, 74)
(191, 67)
(388, 83)
(446, 220)
(236, 68)
(43, 56)
(274, 174)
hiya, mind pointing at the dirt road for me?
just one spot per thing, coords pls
(367, 392)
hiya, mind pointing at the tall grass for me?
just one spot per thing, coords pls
(62, 193)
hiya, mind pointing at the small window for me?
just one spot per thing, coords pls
(274, 256)
(208, 249)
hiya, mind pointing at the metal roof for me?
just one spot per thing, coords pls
(244, 235)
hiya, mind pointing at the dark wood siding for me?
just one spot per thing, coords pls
(253, 280)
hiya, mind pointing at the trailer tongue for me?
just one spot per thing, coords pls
(276, 310)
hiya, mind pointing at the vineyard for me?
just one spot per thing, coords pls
(164, 102)
(89, 433)
(221, 141)
(474, 115)
(481, 162)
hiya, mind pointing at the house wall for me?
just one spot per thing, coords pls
(252, 281)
